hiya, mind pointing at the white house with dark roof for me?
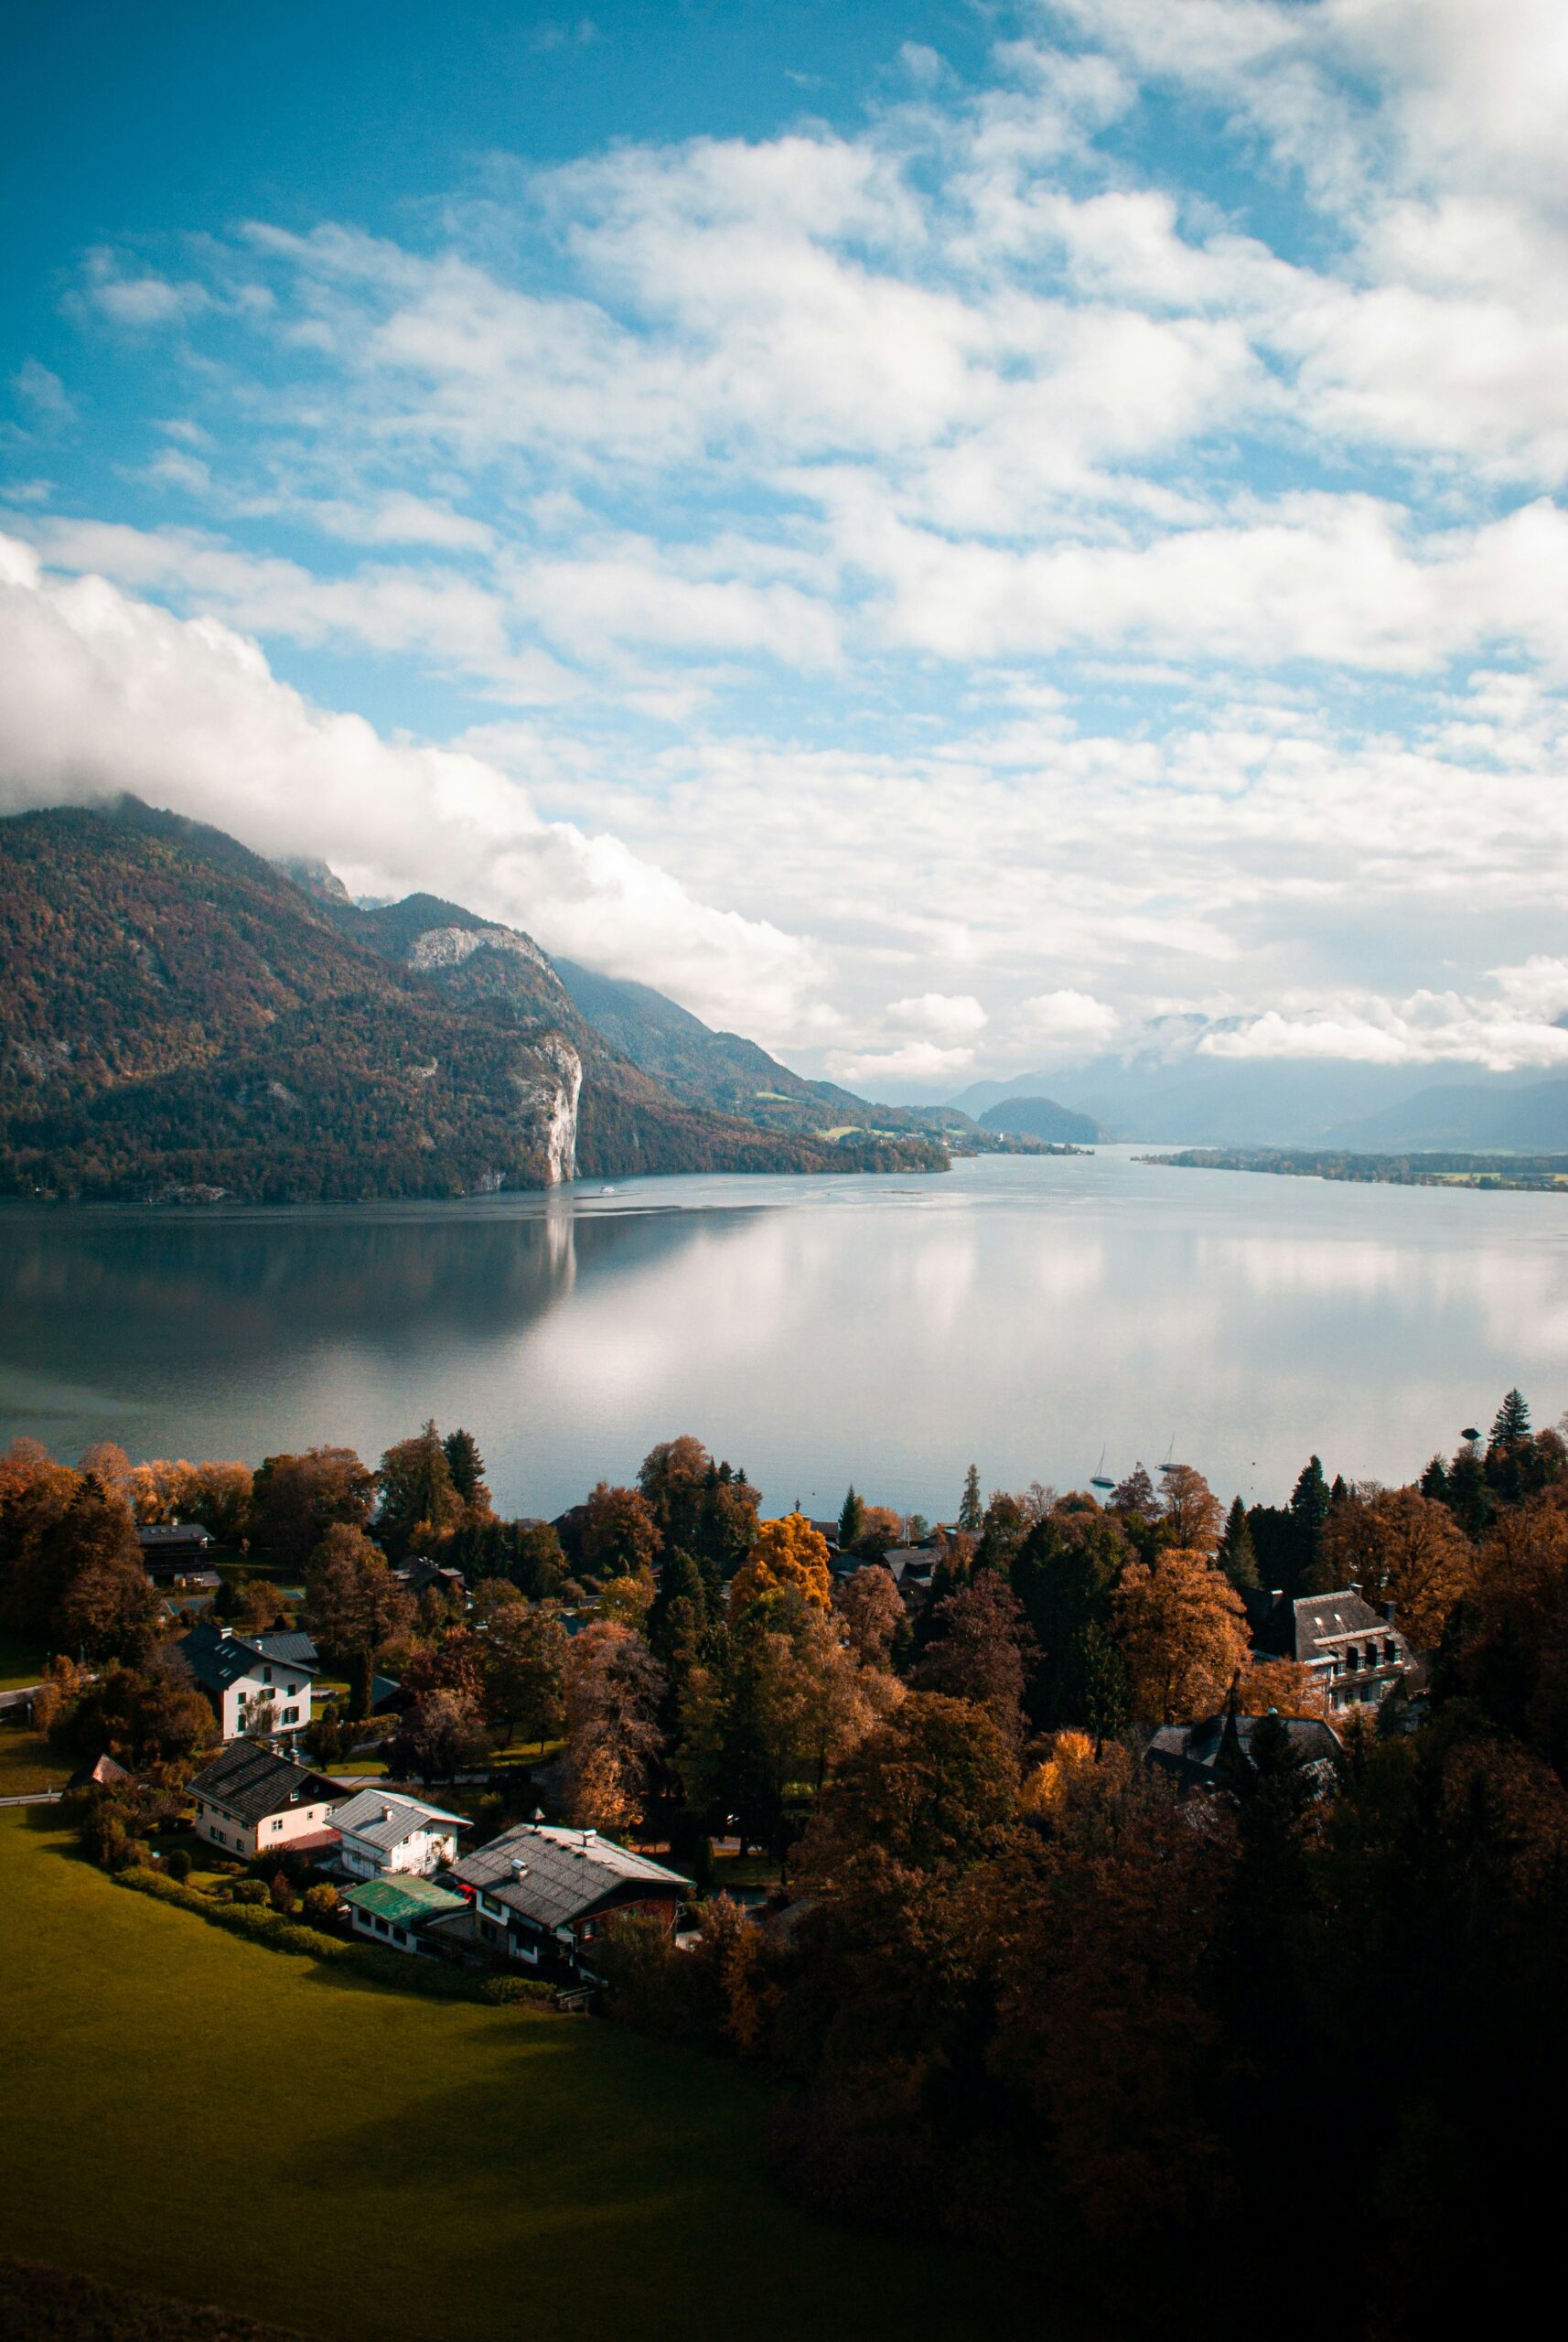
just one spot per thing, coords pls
(242, 1679)
(1356, 1653)
(382, 1833)
(542, 1894)
(250, 1802)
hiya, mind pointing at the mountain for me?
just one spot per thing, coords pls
(1175, 1096)
(1041, 1118)
(1465, 1114)
(177, 1012)
(723, 1072)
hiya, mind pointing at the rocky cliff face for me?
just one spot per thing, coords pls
(549, 1099)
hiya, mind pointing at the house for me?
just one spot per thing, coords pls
(1199, 1756)
(1356, 1653)
(250, 1802)
(242, 1680)
(382, 1833)
(421, 1576)
(912, 1567)
(398, 1912)
(542, 1895)
(172, 1551)
(828, 1531)
(104, 1775)
(293, 1647)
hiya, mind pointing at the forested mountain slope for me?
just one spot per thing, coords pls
(175, 1012)
(723, 1070)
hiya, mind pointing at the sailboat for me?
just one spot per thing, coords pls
(1100, 1477)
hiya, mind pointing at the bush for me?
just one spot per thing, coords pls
(321, 1901)
(176, 1866)
(397, 1969)
(282, 1897)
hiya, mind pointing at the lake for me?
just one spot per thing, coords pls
(1028, 1312)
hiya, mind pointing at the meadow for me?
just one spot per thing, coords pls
(218, 2123)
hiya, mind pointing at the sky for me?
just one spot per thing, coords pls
(953, 539)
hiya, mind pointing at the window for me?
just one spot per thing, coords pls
(291, 1715)
(1352, 1657)
(278, 1824)
(293, 1690)
(382, 1928)
(1391, 1654)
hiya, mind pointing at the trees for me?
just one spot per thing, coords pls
(1401, 1547)
(971, 1511)
(1308, 1513)
(139, 1716)
(978, 1652)
(614, 1687)
(443, 1734)
(851, 1519)
(1064, 1574)
(620, 1536)
(419, 1502)
(932, 1784)
(1236, 1555)
(465, 1468)
(873, 1611)
(525, 1647)
(297, 1499)
(103, 1601)
(1191, 1514)
(786, 1553)
(1135, 1496)
(1180, 1627)
(352, 1601)
(673, 1480)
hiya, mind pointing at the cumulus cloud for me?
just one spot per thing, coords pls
(946, 1016)
(101, 692)
(1067, 1023)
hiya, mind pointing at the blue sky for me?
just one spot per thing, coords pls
(950, 538)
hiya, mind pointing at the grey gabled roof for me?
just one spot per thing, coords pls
(173, 1533)
(384, 1821)
(251, 1783)
(295, 1649)
(218, 1659)
(1298, 1629)
(565, 1873)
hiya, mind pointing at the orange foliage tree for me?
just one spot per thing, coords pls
(788, 1552)
(1183, 1634)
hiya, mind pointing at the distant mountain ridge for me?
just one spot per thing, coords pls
(1041, 1118)
(178, 1014)
(1188, 1099)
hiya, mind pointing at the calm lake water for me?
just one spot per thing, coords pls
(1025, 1313)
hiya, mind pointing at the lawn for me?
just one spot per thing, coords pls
(190, 2113)
(27, 1763)
(21, 1664)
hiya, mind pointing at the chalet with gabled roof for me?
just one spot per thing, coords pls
(542, 1894)
(244, 1681)
(250, 1802)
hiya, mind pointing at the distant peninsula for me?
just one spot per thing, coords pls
(1413, 1170)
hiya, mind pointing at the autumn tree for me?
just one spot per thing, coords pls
(786, 1553)
(880, 1529)
(977, 1653)
(620, 1536)
(106, 1462)
(873, 1611)
(933, 1784)
(1135, 1496)
(139, 1716)
(419, 1503)
(443, 1734)
(614, 1688)
(352, 1601)
(1182, 1632)
(297, 1499)
(1399, 1546)
(1190, 1513)
(525, 1646)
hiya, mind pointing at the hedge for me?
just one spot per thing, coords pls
(403, 1971)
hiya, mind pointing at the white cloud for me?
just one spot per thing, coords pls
(100, 693)
(912, 1061)
(945, 1016)
(43, 391)
(1067, 1022)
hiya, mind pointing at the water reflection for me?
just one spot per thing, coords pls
(1023, 1313)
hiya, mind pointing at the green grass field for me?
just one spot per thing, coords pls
(21, 1664)
(209, 2120)
(27, 1763)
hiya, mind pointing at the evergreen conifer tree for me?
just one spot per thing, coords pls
(1238, 1558)
(971, 1511)
(851, 1518)
(1308, 1512)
